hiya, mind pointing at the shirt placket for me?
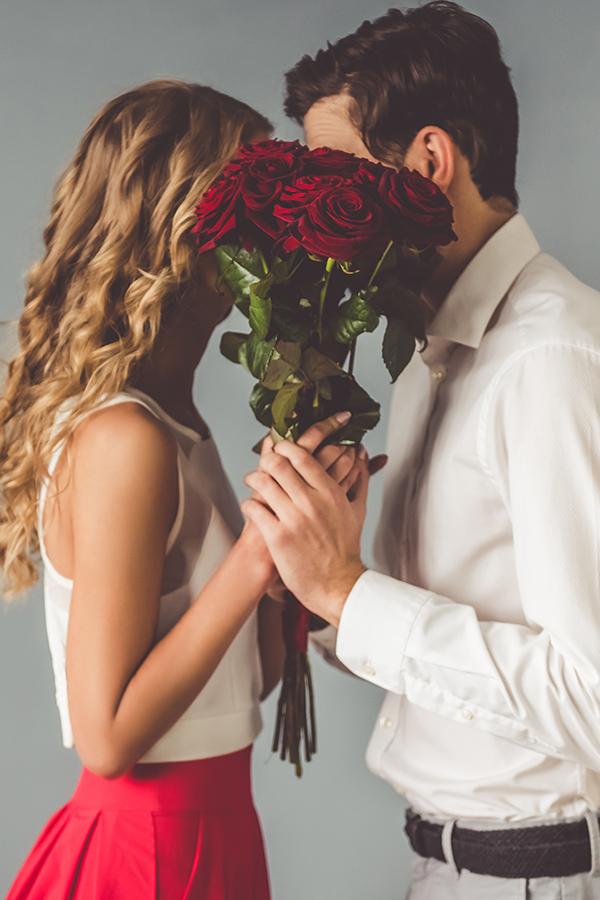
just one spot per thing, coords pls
(436, 357)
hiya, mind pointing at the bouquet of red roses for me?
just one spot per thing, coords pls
(317, 246)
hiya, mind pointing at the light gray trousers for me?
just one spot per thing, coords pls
(434, 880)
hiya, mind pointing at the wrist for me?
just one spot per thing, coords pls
(337, 592)
(255, 558)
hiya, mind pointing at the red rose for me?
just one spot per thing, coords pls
(369, 174)
(423, 213)
(304, 191)
(325, 161)
(219, 213)
(343, 223)
(263, 181)
(251, 152)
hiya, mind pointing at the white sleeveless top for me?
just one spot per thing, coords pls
(225, 716)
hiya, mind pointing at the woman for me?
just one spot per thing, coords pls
(161, 636)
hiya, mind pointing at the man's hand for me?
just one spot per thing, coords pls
(338, 461)
(311, 524)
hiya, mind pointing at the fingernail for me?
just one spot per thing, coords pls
(343, 417)
(362, 453)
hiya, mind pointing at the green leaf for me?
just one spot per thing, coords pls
(396, 300)
(295, 326)
(316, 365)
(255, 355)
(347, 394)
(239, 269)
(284, 405)
(325, 392)
(291, 352)
(263, 288)
(398, 346)
(278, 371)
(231, 344)
(261, 401)
(281, 268)
(354, 317)
(260, 312)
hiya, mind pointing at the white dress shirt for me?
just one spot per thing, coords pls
(483, 623)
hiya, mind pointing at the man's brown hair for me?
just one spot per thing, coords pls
(434, 65)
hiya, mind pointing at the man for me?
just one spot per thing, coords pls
(483, 622)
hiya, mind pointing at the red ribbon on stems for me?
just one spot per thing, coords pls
(295, 724)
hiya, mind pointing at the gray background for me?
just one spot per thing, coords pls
(337, 833)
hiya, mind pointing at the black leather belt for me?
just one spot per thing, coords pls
(539, 851)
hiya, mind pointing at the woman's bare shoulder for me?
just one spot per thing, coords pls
(127, 439)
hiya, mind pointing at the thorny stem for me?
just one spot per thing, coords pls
(352, 356)
(265, 265)
(295, 265)
(328, 270)
(380, 263)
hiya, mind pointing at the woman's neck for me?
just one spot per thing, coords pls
(168, 376)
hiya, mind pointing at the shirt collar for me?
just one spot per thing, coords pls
(474, 297)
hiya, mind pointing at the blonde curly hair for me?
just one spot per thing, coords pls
(118, 255)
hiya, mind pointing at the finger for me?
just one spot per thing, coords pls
(265, 448)
(314, 436)
(267, 445)
(360, 467)
(359, 491)
(328, 454)
(271, 493)
(281, 473)
(377, 463)
(347, 484)
(343, 466)
(305, 465)
(264, 520)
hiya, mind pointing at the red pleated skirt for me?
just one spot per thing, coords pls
(166, 831)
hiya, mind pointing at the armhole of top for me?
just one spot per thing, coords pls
(57, 453)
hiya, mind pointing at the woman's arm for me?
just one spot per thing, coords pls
(343, 465)
(124, 693)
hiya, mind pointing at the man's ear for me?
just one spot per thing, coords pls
(432, 154)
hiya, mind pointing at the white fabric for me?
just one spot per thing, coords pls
(448, 850)
(594, 836)
(484, 622)
(225, 716)
(434, 880)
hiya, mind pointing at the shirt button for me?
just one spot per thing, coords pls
(467, 715)
(368, 668)
(385, 722)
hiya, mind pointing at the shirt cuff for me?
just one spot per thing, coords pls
(376, 622)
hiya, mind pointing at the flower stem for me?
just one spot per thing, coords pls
(352, 357)
(380, 263)
(264, 262)
(328, 270)
(294, 266)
